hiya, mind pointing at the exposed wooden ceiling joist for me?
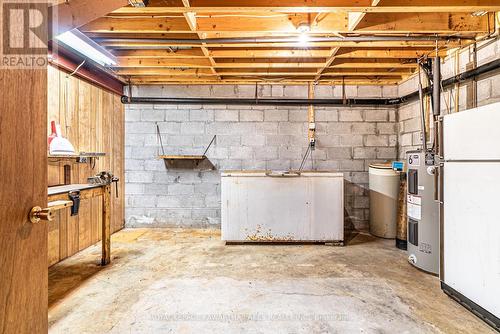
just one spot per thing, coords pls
(184, 49)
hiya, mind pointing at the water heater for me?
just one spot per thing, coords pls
(423, 212)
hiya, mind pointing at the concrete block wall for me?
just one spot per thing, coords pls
(248, 138)
(452, 99)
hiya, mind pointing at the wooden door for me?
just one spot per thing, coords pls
(23, 184)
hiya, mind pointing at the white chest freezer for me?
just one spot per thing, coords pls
(260, 206)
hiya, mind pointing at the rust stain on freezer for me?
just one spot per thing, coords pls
(258, 235)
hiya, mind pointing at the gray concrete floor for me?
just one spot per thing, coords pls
(188, 281)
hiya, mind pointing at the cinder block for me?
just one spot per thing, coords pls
(153, 115)
(328, 141)
(327, 115)
(288, 152)
(132, 115)
(156, 189)
(254, 164)
(495, 86)
(390, 91)
(387, 153)
(275, 115)
(210, 177)
(193, 128)
(338, 153)
(380, 115)
(411, 125)
(365, 153)
(369, 91)
(286, 128)
(251, 115)
(240, 152)
(363, 128)
(154, 165)
(206, 188)
(226, 115)
(350, 115)
(387, 128)
(174, 115)
(229, 164)
(296, 91)
(351, 140)
(170, 128)
(141, 201)
(323, 91)
(266, 127)
(297, 115)
(277, 90)
(279, 165)
(179, 140)
(134, 188)
(134, 164)
(352, 165)
(227, 140)
(327, 165)
(138, 177)
(201, 115)
(339, 128)
(180, 189)
(406, 139)
(189, 106)
(132, 139)
(140, 127)
(373, 140)
(144, 152)
(255, 140)
(278, 140)
(317, 154)
(266, 153)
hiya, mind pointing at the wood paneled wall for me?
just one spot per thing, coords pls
(93, 120)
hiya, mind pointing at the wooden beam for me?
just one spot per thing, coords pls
(173, 53)
(375, 44)
(388, 53)
(269, 53)
(372, 63)
(76, 13)
(423, 23)
(191, 20)
(269, 26)
(164, 62)
(328, 62)
(236, 80)
(324, 6)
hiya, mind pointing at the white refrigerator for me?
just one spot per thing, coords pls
(470, 271)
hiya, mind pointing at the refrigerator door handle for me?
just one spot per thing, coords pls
(438, 181)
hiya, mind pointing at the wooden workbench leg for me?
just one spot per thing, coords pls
(106, 226)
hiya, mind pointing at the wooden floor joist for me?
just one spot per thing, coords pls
(180, 41)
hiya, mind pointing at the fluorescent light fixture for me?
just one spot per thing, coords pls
(87, 47)
(479, 13)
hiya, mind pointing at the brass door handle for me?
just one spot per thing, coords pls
(37, 214)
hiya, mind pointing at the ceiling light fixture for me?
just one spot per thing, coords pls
(303, 29)
(87, 47)
(480, 13)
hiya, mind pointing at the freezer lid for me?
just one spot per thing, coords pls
(271, 173)
(472, 134)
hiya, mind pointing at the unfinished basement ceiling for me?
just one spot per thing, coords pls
(352, 42)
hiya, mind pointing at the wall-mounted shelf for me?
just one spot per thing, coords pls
(182, 157)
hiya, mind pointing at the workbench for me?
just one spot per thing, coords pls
(58, 198)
